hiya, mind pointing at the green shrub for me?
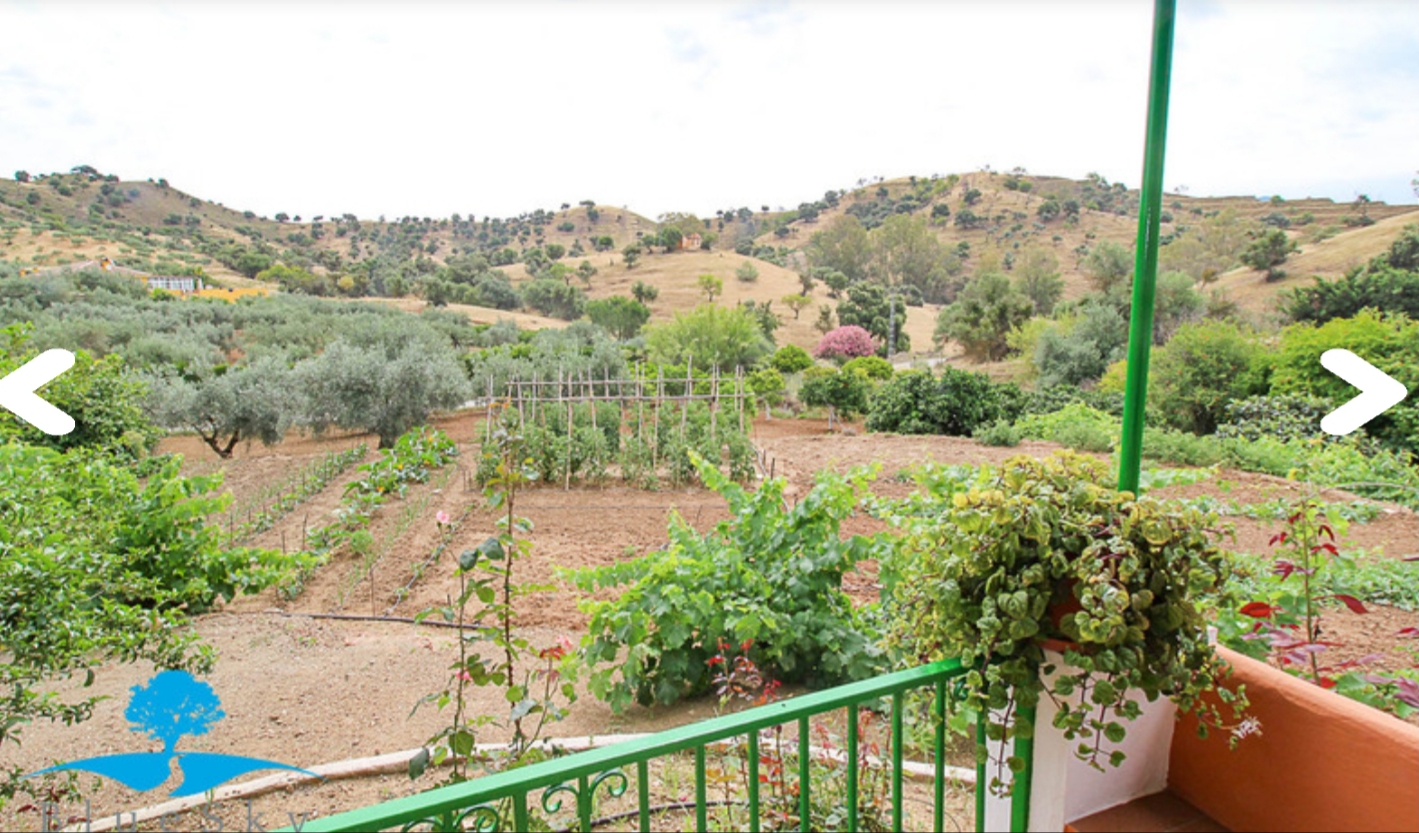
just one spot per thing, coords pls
(1084, 436)
(873, 367)
(999, 433)
(1181, 447)
(790, 359)
(1048, 426)
(845, 391)
(771, 577)
(955, 403)
(1205, 367)
(1389, 342)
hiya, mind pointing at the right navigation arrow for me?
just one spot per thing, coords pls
(1379, 392)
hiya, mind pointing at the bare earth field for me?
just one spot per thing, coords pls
(311, 691)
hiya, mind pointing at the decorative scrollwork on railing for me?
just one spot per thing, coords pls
(483, 818)
(613, 790)
(584, 793)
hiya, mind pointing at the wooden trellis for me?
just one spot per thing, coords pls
(531, 399)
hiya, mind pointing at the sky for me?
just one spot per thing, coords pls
(492, 108)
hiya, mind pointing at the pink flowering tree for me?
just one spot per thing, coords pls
(845, 343)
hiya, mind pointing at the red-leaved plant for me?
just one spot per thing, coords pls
(1291, 623)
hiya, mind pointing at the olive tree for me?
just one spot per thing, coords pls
(385, 389)
(253, 401)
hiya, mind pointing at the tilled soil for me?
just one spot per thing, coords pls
(308, 691)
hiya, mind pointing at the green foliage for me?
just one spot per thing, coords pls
(1079, 349)
(1268, 251)
(1206, 366)
(907, 253)
(999, 433)
(621, 316)
(555, 299)
(873, 367)
(254, 401)
(842, 247)
(955, 403)
(1389, 282)
(770, 574)
(990, 577)
(1109, 266)
(790, 359)
(1389, 342)
(386, 388)
(1283, 417)
(866, 306)
(711, 336)
(1076, 425)
(711, 285)
(643, 292)
(987, 309)
(767, 385)
(746, 272)
(105, 400)
(102, 564)
(844, 391)
(1037, 277)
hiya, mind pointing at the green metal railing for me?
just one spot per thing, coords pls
(491, 802)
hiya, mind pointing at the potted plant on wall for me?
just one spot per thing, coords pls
(1037, 554)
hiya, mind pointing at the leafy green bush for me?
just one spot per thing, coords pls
(1048, 426)
(770, 574)
(105, 400)
(1079, 349)
(1388, 282)
(711, 336)
(1205, 367)
(1084, 436)
(1049, 400)
(1389, 342)
(998, 433)
(873, 367)
(955, 403)
(844, 391)
(1181, 447)
(554, 298)
(790, 359)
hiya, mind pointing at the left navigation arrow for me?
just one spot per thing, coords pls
(17, 392)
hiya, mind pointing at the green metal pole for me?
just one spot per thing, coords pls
(1023, 785)
(1145, 269)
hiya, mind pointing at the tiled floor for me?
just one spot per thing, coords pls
(1158, 813)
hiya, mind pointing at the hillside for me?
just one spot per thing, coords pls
(151, 226)
(1011, 223)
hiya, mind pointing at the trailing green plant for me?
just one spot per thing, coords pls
(772, 574)
(1042, 551)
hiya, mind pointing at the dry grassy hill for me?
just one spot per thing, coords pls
(1329, 258)
(150, 225)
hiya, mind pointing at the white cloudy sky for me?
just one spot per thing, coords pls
(497, 108)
